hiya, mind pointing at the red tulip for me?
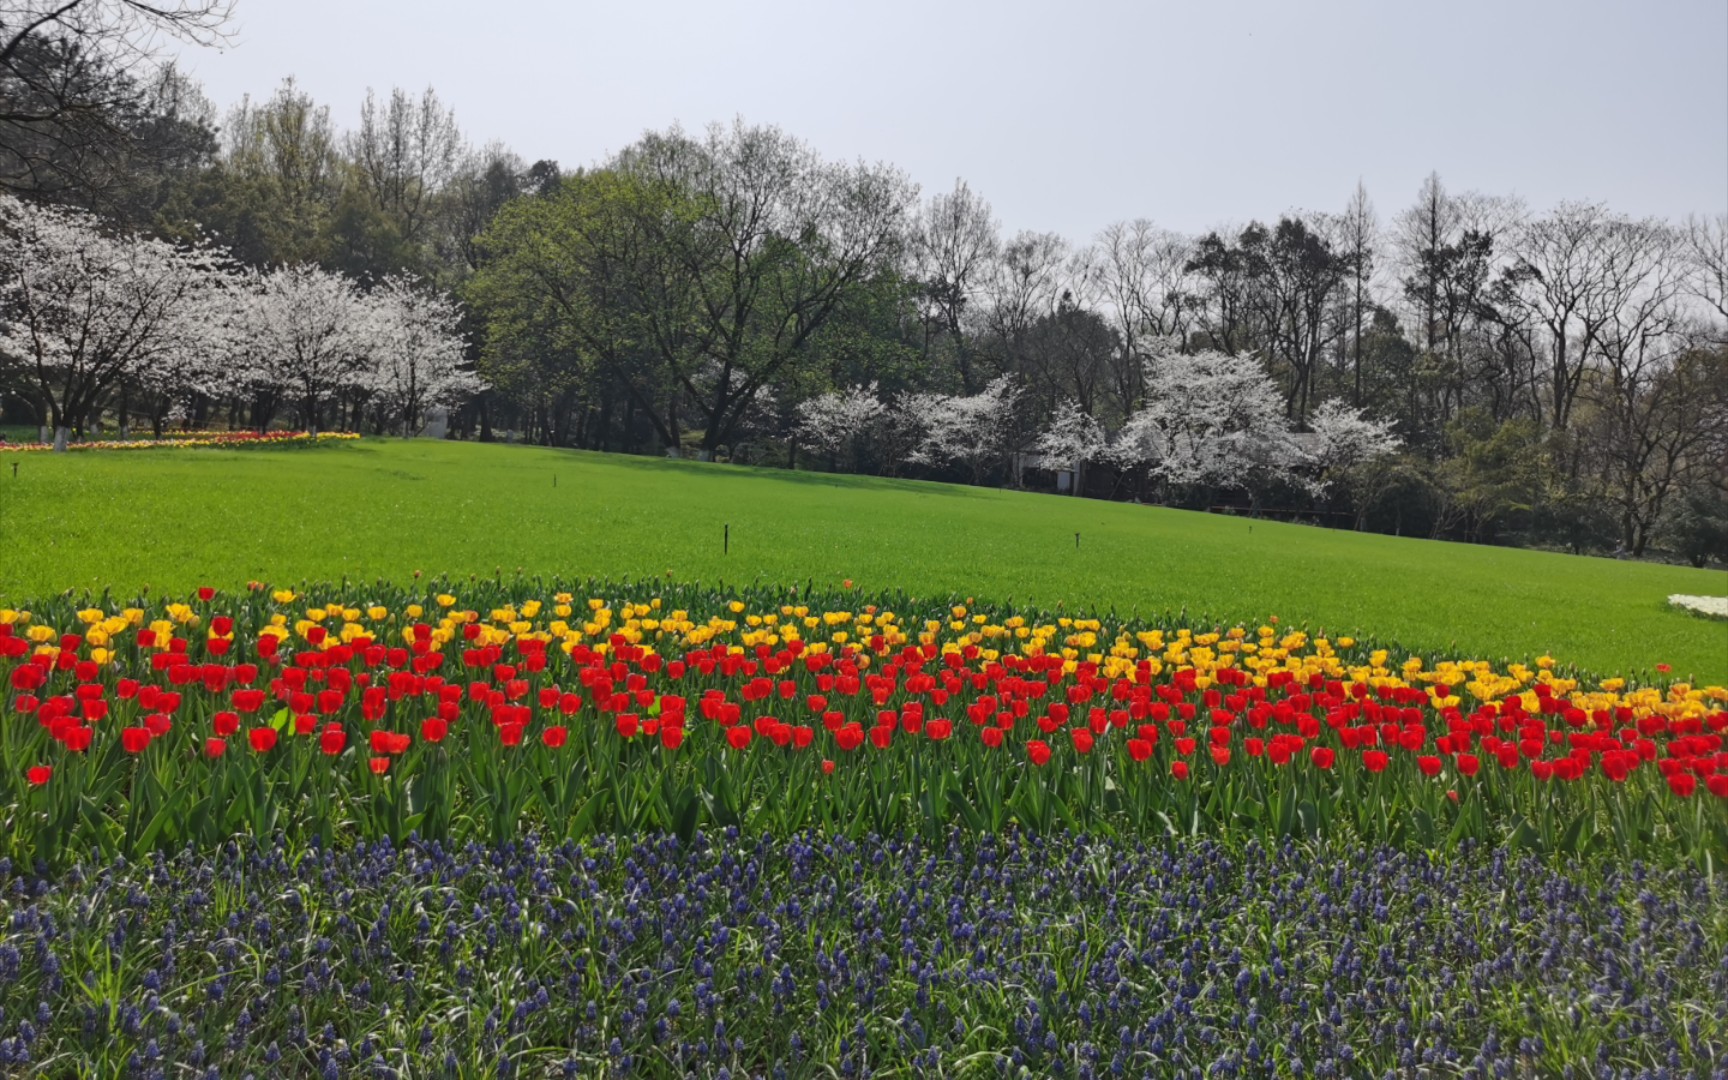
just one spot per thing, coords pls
(991, 737)
(1322, 757)
(1429, 765)
(738, 737)
(390, 742)
(1375, 760)
(1683, 784)
(628, 725)
(827, 767)
(1179, 769)
(1139, 749)
(433, 729)
(39, 774)
(555, 737)
(134, 739)
(1220, 756)
(671, 736)
(1469, 764)
(1082, 740)
(262, 739)
(1039, 751)
(511, 734)
(379, 765)
(215, 747)
(332, 740)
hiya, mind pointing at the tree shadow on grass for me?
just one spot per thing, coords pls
(719, 470)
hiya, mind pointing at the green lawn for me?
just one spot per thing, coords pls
(386, 509)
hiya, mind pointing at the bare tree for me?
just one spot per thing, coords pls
(1706, 251)
(770, 241)
(1359, 242)
(405, 153)
(1659, 426)
(75, 74)
(955, 246)
(1578, 270)
(1420, 233)
(1141, 273)
(1028, 284)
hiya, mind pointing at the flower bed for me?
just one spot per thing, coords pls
(193, 440)
(388, 713)
(1715, 607)
(974, 955)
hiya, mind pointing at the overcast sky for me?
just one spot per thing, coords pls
(1068, 116)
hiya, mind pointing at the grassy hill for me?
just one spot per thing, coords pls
(383, 509)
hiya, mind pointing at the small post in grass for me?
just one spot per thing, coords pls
(1076, 541)
(726, 539)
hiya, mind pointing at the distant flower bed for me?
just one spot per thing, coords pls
(185, 440)
(1714, 606)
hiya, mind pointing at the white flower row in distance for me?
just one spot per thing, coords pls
(1714, 606)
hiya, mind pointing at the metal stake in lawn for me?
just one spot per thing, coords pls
(726, 539)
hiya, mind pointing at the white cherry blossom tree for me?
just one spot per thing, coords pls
(83, 309)
(1075, 438)
(1213, 420)
(307, 334)
(972, 430)
(838, 421)
(1345, 437)
(415, 352)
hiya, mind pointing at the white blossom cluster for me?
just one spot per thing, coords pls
(1207, 419)
(85, 311)
(1716, 607)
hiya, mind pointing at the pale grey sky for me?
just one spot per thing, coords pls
(1069, 116)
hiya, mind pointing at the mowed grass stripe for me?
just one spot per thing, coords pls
(384, 509)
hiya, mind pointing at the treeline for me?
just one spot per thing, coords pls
(1463, 367)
